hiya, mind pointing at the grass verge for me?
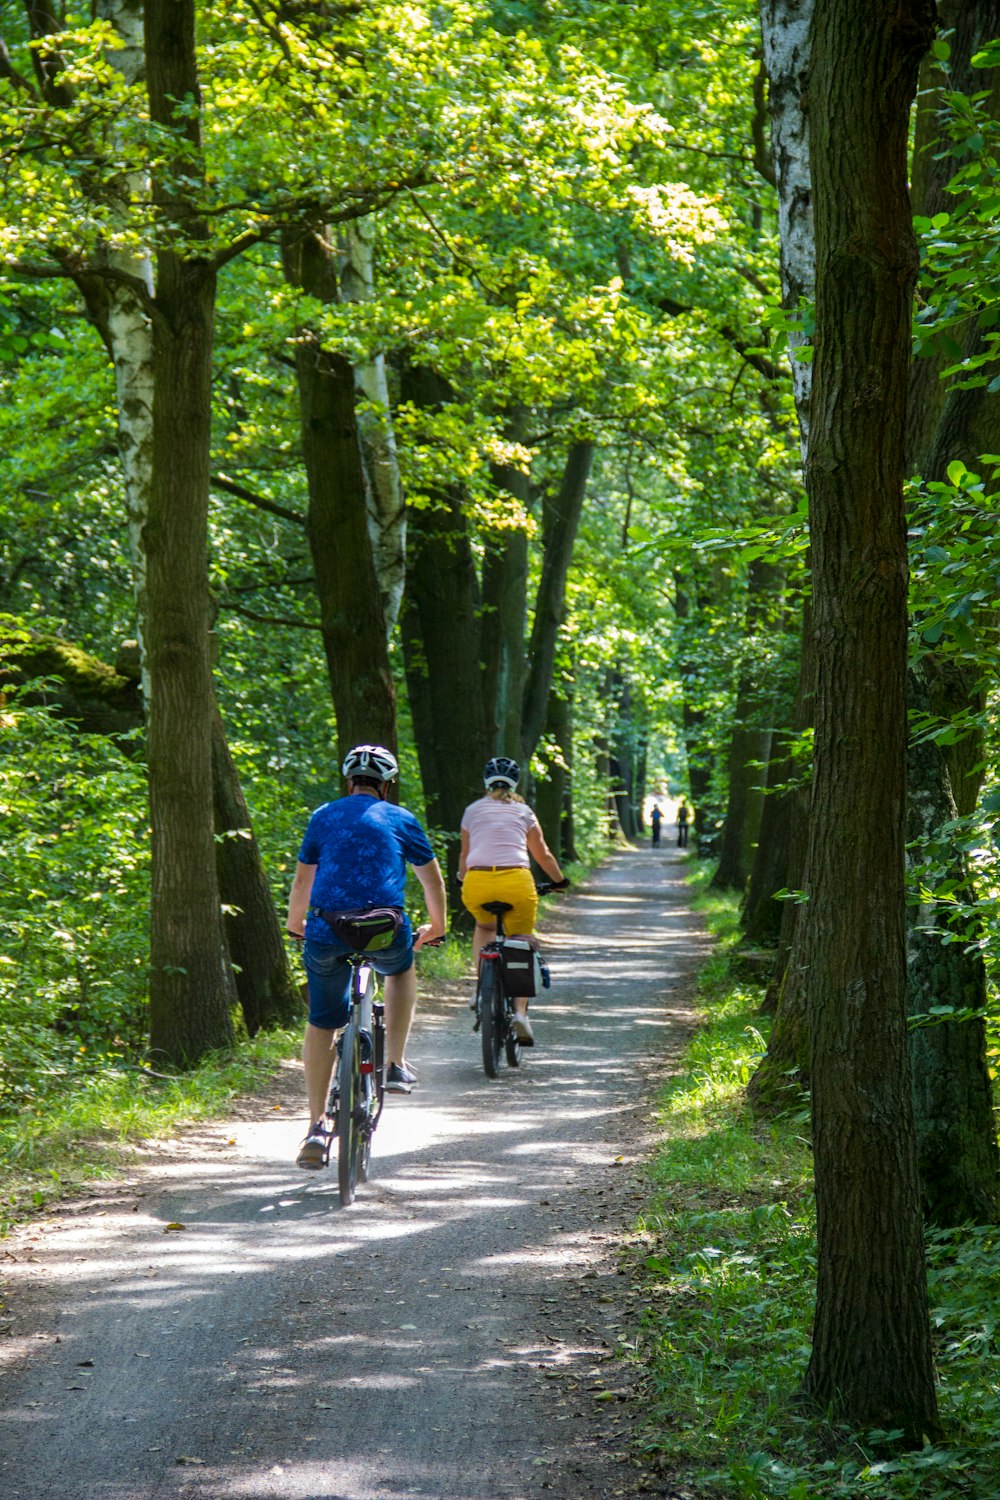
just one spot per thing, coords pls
(727, 1255)
(85, 1126)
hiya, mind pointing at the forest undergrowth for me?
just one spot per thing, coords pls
(726, 1254)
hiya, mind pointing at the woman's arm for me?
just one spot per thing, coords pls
(540, 851)
(463, 858)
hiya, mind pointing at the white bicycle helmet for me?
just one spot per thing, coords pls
(371, 760)
(501, 769)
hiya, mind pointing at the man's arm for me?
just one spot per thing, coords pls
(432, 880)
(298, 901)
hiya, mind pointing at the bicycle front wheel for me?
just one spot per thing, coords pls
(491, 1018)
(350, 1133)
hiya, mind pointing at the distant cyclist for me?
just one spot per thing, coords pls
(499, 831)
(353, 857)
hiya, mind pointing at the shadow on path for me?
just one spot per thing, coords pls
(446, 1336)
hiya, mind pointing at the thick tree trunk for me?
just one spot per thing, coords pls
(442, 635)
(191, 984)
(268, 993)
(871, 1358)
(560, 522)
(347, 587)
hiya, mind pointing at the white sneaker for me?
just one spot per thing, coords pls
(474, 998)
(522, 1028)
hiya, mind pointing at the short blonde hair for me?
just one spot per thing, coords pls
(503, 794)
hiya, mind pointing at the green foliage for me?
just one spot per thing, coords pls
(73, 847)
(728, 1263)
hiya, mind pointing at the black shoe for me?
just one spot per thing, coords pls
(399, 1079)
(315, 1149)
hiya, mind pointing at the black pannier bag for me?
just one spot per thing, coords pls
(524, 974)
(367, 930)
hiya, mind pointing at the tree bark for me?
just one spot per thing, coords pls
(785, 35)
(560, 522)
(956, 1131)
(952, 1092)
(871, 1358)
(267, 992)
(384, 486)
(698, 751)
(191, 984)
(442, 646)
(553, 788)
(504, 615)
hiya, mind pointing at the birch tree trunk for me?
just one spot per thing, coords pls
(120, 308)
(383, 484)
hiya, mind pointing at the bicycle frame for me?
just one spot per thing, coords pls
(358, 1088)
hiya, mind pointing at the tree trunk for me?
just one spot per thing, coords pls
(552, 789)
(268, 994)
(384, 487)
(442, 635)
(956, 1132)
(505, 584)
(750, 745)
(698, 751)
(952, 1092)
(761, 916)
(347, 588)
(560, 522)
(191, 984)
(785, 32)
(871, 1357)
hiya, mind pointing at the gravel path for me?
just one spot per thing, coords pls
(218, 1326)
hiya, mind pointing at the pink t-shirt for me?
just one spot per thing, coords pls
(498, 832)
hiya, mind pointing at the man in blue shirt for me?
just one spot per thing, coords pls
(354, 854)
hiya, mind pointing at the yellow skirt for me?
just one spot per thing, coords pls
(515, 886)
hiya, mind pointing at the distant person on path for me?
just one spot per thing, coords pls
(499, 831)
(683, 818)
(656, 818)
(353, 857)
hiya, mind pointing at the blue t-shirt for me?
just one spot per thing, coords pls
(361, 847)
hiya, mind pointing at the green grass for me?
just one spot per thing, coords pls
(86, 1131)
(726, 1254)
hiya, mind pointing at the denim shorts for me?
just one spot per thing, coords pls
(328, 972)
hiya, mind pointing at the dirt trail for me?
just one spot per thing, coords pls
(451, 1335)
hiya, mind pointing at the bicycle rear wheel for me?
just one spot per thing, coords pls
(350, 1133)
(512, 1046)
(491, 1018)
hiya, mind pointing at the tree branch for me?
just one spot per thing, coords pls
(232, 487)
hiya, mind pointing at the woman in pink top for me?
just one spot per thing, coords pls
(498, 834)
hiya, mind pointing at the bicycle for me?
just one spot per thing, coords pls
(357, 1086)
(495, 1014)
